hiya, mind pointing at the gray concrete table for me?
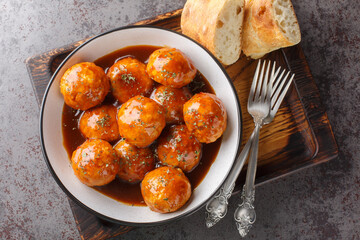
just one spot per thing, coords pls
(322, 202)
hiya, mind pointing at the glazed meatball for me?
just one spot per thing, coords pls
(128, 78)
(205, 116)
(95, 162)
(100, 122)
(84, 86)
(141, 121)
(172, 99)
(165, 189)
(134, 162)
(177, 147)
(170, 67)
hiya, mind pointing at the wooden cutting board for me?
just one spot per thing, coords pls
(300, 136)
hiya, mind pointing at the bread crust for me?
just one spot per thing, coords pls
(199, 19)
(261, 33)
(217, 25)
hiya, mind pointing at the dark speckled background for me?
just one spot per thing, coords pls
(322, 202)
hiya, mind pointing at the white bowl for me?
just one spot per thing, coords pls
(52, 139)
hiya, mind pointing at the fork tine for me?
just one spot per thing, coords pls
(274, 78)
(283, 93)
(260, 82)
(255, 80)
(277, 81)
(271, 80)
(265, 84)
(277, 92)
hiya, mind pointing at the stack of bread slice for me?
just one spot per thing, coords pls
(227, 27)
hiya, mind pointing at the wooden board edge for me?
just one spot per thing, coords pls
(29, 63)
(312, 103)
(44, 74)
(93, 227)
(159, 18)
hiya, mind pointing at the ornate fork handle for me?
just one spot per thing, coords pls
(245, 214)
(216, 208)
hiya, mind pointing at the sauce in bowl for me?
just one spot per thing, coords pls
(120, 190)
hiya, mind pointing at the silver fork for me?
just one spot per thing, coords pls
(245, 214)
(259, 107)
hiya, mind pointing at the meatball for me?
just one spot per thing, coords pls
(134, 162)
(100, 122)
(170, 67)
(172, 99)
(141, 121)
(84, 86)
(128, 78)
(95, 162)
(165, 189)
(179, 148)
(205, 116)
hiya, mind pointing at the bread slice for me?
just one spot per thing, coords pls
(217, 25)
(268, 25)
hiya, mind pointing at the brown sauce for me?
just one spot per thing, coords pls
(117, 189)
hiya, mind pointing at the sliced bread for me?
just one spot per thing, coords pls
(268, 25)
(217, 25)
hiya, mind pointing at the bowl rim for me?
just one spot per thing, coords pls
(71, 196)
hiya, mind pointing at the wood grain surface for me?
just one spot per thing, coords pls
(300, 135)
